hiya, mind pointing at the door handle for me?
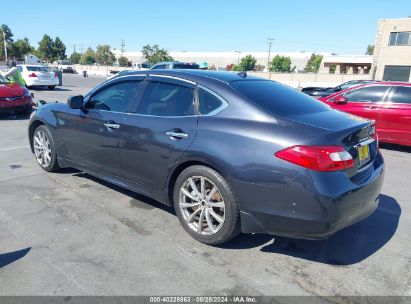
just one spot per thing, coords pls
(111, 125)
(179, 134)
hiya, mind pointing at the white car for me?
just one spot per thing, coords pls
(38, 75)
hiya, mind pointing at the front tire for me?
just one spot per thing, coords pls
(44, 149)
(205, 205)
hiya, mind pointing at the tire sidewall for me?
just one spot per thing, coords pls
(231, 223)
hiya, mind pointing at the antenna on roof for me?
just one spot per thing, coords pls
(242, 74)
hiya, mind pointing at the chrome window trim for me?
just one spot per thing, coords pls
(172, 77)
(224, 103)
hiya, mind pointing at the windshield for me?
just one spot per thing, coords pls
(3, 80)
(277, 98)
(37, 69)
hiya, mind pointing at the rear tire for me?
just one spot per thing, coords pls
(205, 205)
(51, 87)
(44, 149)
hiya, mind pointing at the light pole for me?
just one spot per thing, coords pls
(5, 45)
(238, 58)
(270, 42)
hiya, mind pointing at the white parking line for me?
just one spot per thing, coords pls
(14, 148)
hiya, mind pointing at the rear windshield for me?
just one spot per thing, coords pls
(36, 69)
(186, 66)
(277, 98)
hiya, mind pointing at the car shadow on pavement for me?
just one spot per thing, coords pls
(13, 116)
(394, 147)
(136, 200)
(350, 245)
(10, 257)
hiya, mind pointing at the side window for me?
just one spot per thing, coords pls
(117, 97)
(167, 99)
(400, 95)
(208, 101)
(368, 94)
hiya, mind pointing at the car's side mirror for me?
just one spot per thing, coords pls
(340, 99)
(75, 102)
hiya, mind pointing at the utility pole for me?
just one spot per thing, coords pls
(238, 58)
(270, 42)
(122, 45)
(5, 46)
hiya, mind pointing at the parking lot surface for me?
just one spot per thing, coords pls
(69, 233)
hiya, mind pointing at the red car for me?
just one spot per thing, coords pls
(15, 98)
(388, 103)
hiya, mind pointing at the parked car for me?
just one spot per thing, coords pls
(14, 98)
(319, 92)
(65, 66)
(38, 75)
(387, 103)
(175, 65)
(230, 152)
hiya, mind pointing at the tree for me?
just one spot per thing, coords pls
(154, 54)
(333, 68)
(46, 48)
(75, 58)
(370, 49)
(314, 63)
(21, 47)
(123, 61)
(59, 49)
(89, 57)
(5, 31)
(104, 55)
(247, 63)
(281, 64)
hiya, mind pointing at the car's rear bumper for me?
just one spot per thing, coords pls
(33, 81)
(315, 208)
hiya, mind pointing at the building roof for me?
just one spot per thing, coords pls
(367, 59)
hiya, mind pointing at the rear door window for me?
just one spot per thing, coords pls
(277, 98)
(367, 94)
(167, 99)
(400, 95)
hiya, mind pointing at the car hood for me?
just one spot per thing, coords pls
(11, 90)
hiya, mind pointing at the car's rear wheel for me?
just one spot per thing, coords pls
(51, 87)
(44, 149)
(205, 205)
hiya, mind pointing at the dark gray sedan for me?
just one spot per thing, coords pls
(230, 152)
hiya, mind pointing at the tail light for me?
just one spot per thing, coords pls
(56, 75)
(319, 158)
(32, 75)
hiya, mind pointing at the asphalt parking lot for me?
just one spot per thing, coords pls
(71, 234)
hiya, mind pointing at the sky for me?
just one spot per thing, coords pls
(343, 27)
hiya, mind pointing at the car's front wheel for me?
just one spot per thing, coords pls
(44, 149)
(205, 205)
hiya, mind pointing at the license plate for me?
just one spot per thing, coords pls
(44, 76)
(363, 154)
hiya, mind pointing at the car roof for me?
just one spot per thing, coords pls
(198, 75)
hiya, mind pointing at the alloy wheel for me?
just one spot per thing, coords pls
(202, 205)
(42, 148)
